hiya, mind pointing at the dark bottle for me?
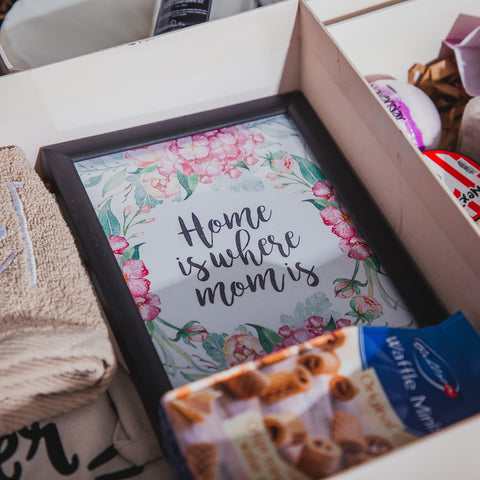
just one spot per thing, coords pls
(176, 14)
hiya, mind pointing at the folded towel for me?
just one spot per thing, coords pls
(55, 350)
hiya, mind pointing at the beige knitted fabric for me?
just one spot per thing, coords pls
(55, 351)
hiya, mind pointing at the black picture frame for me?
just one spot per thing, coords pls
(55, 164)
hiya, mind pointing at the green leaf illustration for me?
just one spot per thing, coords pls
(109, 222)
(370, 316)
(241, 164)
(268, 338)
(277, 131)
(331, 325)
(114, 181)
(189, 324)
(286, 319)
(188, 182)
(149, 169)
(143, 198)
(251, 184)
(166, 345)
(133, 178)
(275, 156)
(131, 254)
(213, 345)
(191, 377)
(150, 327)
(319, 203)
(161, 340)
(316, 304)
(373, 263)
(92, 181)
(311, 173)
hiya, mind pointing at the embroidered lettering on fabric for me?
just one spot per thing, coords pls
(8, 261)
(18, 207)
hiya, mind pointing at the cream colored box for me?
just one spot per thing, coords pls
(273, 50)
(258, 53)
(442, 240)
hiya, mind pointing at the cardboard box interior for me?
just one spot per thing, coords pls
(436, 231)
(267, 51)
(334, 11)
(260, 53)
(442, 239)
(175, 74)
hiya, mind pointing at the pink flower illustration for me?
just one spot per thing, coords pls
(249, 141)
(159, 186)
(192, 148)
(339, 220)
(249, 159)
(324, 190)
(315, 325)
(134, 272)
(208, 169)
(145, 156)
(255, 136)
(168, 166)
(207, 155)
(284, 164)
(232, 171)
(344, 289)
(145, 208)
(224, 145)
(311, 328)
(142, 157)
(286, 331)
(233, 130)
(196, 333)
(148, 306)
(300, 336)
(343, 322)
(118, 245)
(240, 347)
(356, 248)
(292, 335)
(366, 303)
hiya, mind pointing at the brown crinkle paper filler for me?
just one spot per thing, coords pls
(5, 6)
(440, 80)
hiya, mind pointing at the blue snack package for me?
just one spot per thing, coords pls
(431, 376)
(333, 402)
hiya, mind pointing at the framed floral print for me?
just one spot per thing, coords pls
(222, 236)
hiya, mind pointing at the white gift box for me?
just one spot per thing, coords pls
(277, 49)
